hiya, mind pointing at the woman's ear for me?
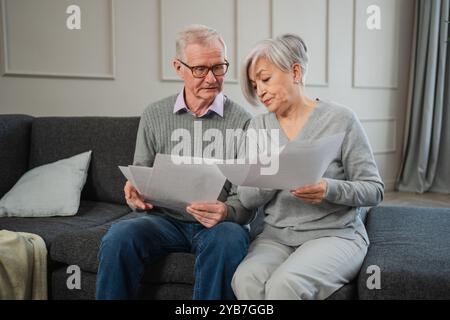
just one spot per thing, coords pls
(297, 73)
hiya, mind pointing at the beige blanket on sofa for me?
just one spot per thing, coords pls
(23, 266)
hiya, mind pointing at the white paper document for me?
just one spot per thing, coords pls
(172, 185)
(300, 163)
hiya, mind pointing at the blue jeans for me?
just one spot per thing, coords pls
(132, 244)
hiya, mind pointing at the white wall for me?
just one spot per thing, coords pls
(129, 45)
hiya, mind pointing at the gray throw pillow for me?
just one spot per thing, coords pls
(53, 189)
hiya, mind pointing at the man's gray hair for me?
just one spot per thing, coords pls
(283, 51)
(198, 34)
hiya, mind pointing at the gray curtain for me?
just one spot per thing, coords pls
(426, 157)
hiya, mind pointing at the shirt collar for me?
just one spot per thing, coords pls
(217, 105)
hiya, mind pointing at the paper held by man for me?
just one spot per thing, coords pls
(174, 182)
(174, 185)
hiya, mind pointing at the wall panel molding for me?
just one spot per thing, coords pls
(318, 73)
(375, 51)
(390, 136)
(8, 45)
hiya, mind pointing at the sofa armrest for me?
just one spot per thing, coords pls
(411, 249)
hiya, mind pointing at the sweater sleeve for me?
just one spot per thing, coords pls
(237, 212)
(363, 185)
(252, 197)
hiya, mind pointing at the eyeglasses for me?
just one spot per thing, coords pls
(202, 71)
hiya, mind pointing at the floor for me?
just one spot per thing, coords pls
(417, 200)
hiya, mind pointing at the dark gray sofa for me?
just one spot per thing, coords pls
(411, 246)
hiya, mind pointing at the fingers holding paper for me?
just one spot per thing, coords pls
(313, 194)
(134, 199)
(208, 213)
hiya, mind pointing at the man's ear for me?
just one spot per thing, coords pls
(177, 66)
(297, 72)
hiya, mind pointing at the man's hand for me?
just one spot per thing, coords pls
(313, 194)
(208, 213)
(134, 199)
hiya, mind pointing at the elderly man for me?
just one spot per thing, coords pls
(214, 232)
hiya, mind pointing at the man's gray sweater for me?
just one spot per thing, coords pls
(161, 131)
(352, 181)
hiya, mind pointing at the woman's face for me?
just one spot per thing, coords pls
(275, 88)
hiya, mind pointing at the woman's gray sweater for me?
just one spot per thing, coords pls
(352, 181)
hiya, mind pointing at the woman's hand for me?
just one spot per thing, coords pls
(312, 194)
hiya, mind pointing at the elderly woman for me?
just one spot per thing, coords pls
(313, 241)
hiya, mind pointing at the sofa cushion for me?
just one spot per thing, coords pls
(347, 292)
(157, 291)
(80, 246)
(60, 291)
(166, 291)
(53, 189)
(90, 214)
(112, 141)
(411, 248)
(174, 268)
(14, 145)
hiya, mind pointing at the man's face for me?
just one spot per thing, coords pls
(207, 88)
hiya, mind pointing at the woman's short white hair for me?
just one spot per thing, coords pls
(198, 34)
(283, 51)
